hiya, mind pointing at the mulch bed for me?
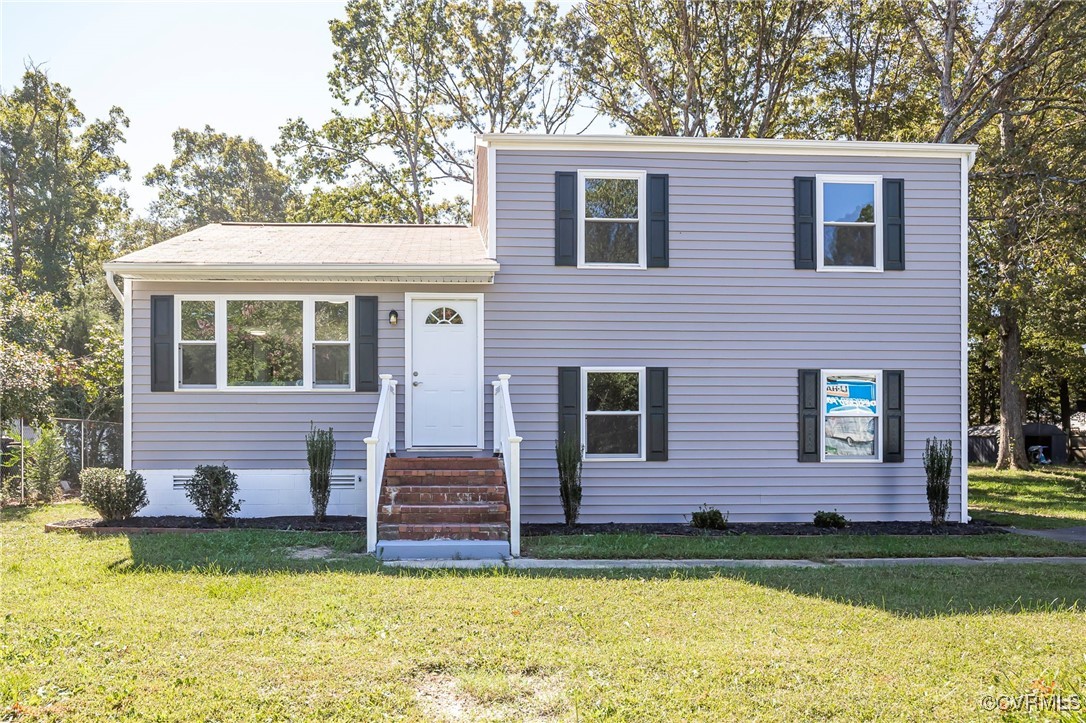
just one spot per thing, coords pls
(177, 523)
(977, 527)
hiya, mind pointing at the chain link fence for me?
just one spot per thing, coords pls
(91, 443)
(85, 442)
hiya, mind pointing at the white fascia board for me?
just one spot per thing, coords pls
(774, 146)
(162, 271)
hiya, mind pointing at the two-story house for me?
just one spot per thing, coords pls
(770, 327)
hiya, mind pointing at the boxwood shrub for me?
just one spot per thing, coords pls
(113, 493)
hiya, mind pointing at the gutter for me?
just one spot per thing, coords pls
(776, 146)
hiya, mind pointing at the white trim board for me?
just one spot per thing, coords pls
(409, 298)
(963, 452)
(772, 146)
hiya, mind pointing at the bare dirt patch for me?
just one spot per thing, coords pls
(479, 696)
(321, 553)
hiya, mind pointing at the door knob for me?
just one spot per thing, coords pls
(415, 384)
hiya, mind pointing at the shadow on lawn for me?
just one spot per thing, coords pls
(926, 591)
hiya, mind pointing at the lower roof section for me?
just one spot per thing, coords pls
(315, 252)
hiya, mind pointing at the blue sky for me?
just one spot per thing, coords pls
(242, 67)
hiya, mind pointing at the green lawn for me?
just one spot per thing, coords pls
(225, 626)
(747, 547)
(1042, 499)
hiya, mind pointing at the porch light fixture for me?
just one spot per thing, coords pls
(393, 318)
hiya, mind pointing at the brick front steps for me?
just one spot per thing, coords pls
(443, 498)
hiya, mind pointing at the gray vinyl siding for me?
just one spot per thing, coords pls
(731, 319)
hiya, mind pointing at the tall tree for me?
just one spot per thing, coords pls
(869, 83)
(698, 67)
(1001, 75)
(57, 207)
(426, 74)
(216, 177)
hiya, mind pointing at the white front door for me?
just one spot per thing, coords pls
(444, 372)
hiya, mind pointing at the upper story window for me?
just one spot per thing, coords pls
(849, 223)
(612, 217)
(265, 343)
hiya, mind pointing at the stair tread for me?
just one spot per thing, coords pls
(417, 506)
(450, 525)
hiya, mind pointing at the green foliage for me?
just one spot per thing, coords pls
(320, 448)
(832, 520)
(113, 493)
(425, 72)
(708, 518)
(727, 68)
(46, 463)
(212, 490)
(215, 177)
(54, 166)
(938, 462)
(570, 456)
(29, 333)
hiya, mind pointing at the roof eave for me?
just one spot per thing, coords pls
(365, 273)
(777, 146)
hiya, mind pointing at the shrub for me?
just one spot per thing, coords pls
(212, 490)
(938, 458)
(46, 464)
(320, 448)
(113, 493)
(570, 456)
(830, 519)
(709, 518)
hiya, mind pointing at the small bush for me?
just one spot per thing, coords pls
(46, 463)
(113, 493)
(938, 459)
(320, 448)
(212, 489)
(709, 518)
(570, 459)
(830, 519)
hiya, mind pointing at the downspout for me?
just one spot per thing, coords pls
(111, 282)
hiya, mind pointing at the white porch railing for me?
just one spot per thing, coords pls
(379, 445)
(507, 444)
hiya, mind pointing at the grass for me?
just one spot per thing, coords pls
(1042, 499)
(226, 626)
(747, 547)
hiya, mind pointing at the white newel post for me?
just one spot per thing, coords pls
(513, 472)
(371, 494)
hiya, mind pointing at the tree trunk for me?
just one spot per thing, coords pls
(1065, 406)
(16, 242)
(1012, 438)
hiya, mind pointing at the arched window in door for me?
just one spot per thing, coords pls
(444, 315)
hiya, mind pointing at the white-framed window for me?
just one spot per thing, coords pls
(255, 342)
(613, 412)
(849, 222)
(611, 211)
(851, 403)
(196, 346)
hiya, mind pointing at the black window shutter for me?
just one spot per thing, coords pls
(893, 224)
(565, 218)
(656, 394)
(893, 416)
(162, 351)
(365, 344)
(658, 221)
(805, 222)
(809, 417)
(569, 404)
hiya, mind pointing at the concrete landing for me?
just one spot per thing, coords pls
(443, 551)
